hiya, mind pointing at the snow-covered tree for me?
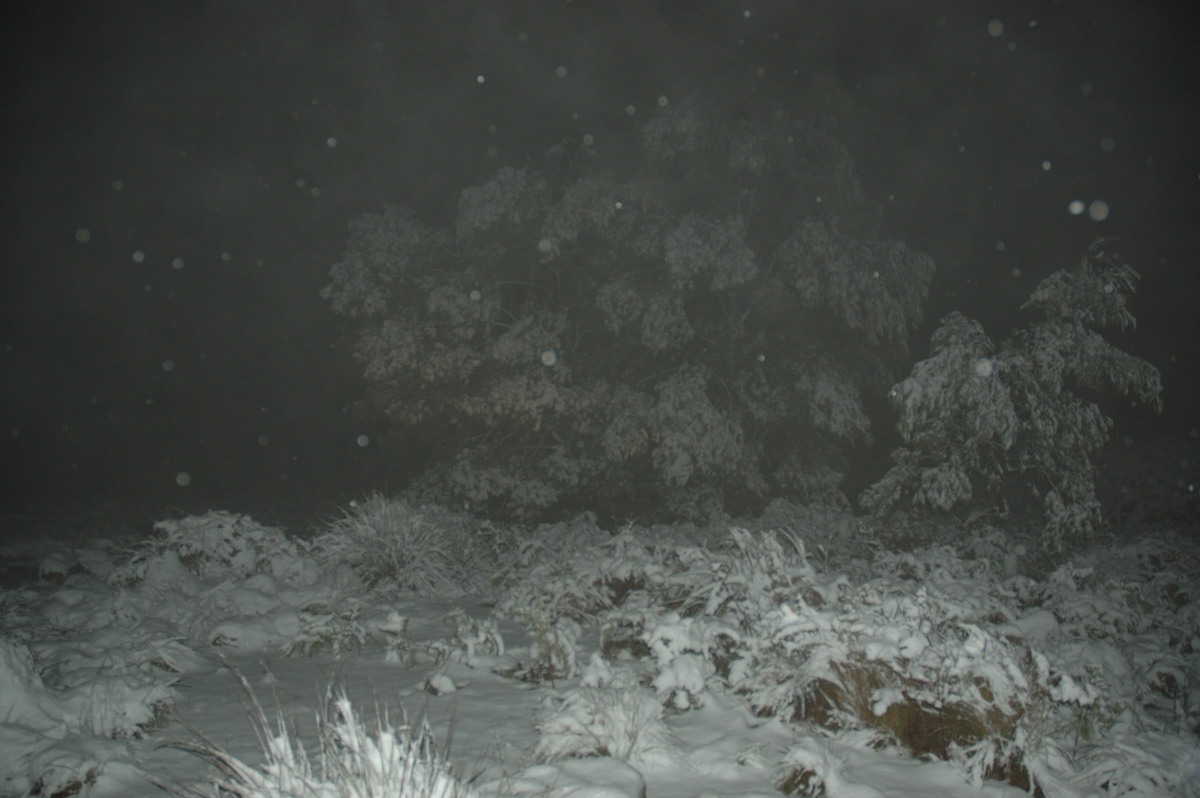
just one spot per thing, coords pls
(977, 418)
(680, 337)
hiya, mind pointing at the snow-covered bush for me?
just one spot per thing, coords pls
(683, 335)
(553, 647)
(977, 418)
(686, 653)
(394, 546)
(472, 638)
(324, 630)
(624, 722)
(358, 758)
(219, 545)
(63, 716)
(949, 651)
(577, 571)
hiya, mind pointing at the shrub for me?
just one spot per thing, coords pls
(358, 757)
(977, 419)
(625, 723)
(391, 545)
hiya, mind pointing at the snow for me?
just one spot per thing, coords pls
(595, 664)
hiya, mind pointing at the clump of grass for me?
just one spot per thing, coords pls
(358, 758)
(390, 544)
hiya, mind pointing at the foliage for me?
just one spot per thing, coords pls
(358, 757)
(472, 640)
(978, 419)
(325, 631)
(937, 652)
(681, 338)
(1081, 680)
(391, 545)
(609, 714)
(553, 647)
(219, 545)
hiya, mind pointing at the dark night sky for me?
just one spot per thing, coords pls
(202, 131)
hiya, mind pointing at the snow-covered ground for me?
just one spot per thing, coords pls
(794, 655)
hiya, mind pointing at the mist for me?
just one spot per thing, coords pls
(179, 180)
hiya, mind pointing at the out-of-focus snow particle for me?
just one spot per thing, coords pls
(183, 479)
(662, 101)
(363, 441)
(1076, 207)
(545, 245)
(480, 79)
(331, 142)
(746, 14)
(83, 235)
(1108, 143)
(225, 256)
(1098, 210)
(1016, 272)
(1046, 166)
(999, 246)
(117, 185)
(139, 256)
(264, 440)
(560, 71)
(1087, 88)
(984, 366)
(549, 357)
(630, 110)
(177, 264)
(168, 365)
(475, 295)
(995, 28)
(588, 139)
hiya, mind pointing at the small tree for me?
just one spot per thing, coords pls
(681, 337)
(973, 416)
